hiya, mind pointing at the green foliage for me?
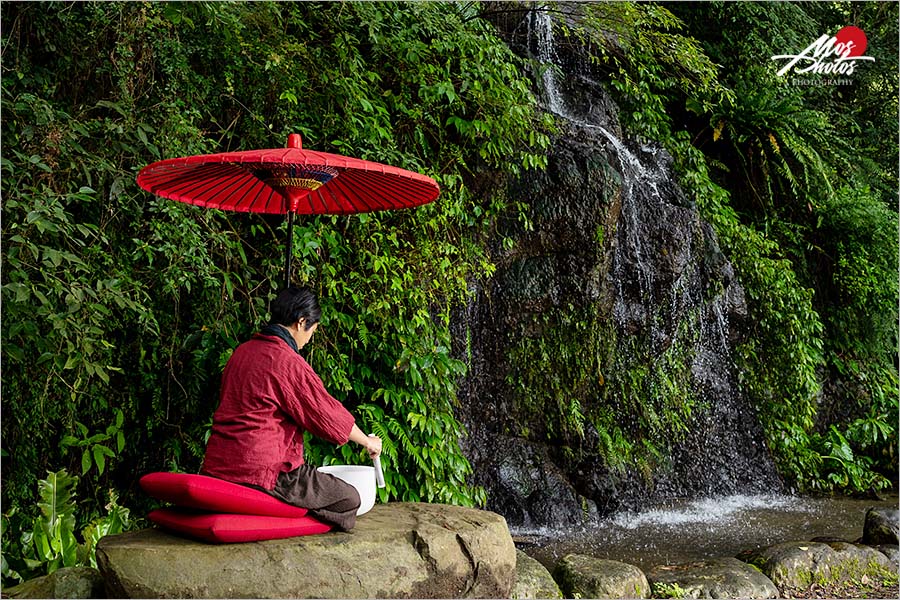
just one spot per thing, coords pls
(856, 241)
(556, 371)
(666, 590)
(783, 148)
(650, 63)
(95, 448)
(842, 468)
(53, 536)
(51, 543)
(116, 520)
(571, 386)
(783, 351)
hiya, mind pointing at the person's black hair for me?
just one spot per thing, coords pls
(292, 304)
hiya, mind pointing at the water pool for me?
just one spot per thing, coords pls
(709, 528)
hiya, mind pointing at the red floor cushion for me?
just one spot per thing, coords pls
(221, 528)
(215, 495)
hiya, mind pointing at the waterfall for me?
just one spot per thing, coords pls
(636, 176)
(541, 31)
(661, 285)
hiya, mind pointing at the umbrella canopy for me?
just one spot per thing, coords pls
(287, 181)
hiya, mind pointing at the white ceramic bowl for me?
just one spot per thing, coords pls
(360, 477)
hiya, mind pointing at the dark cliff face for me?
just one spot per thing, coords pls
(601, 375)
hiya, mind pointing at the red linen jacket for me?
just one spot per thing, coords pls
(270, 396)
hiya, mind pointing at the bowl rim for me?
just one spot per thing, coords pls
(327, 468)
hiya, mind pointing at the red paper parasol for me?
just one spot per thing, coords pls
(287, 181)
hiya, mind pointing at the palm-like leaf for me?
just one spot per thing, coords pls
(787, 150)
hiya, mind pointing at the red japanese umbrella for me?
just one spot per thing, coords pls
(287, 181)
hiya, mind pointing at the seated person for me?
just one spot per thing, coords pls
(270, 396)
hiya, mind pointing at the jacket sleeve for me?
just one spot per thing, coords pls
(314, 409)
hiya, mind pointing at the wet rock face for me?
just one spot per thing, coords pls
(600, 353)
(533, 490)
(618, 288)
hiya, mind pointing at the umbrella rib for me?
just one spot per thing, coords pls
(250, 186)
(187, 182)
(362, 195)
(376, 198)
(212, 192)
(263, 195)
(320, 194)
(381, 196)
(342, 189)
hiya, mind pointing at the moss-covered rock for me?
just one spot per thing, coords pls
(715, 578)
(74, 582)
(892, 551)
(801, 564)
(882, 526)
(581, 576)
(533, 580)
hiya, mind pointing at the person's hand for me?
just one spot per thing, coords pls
(373, 446)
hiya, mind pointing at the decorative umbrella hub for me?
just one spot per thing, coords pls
(287, 176)
(307, 177)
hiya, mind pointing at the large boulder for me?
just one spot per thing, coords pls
(714, 578)
(533, 580)
(581, 576)
(800, 564)
(398, 550)
(882, 526)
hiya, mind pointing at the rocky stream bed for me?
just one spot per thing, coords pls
(411, 550)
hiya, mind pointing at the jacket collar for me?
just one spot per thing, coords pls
(276, 330)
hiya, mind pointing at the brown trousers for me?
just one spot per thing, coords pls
(326, 497)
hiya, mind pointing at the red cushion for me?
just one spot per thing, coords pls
(215, 495)
(221, 528)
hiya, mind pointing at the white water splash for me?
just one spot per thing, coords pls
(708, 511)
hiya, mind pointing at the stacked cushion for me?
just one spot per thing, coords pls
(225, 528)
(218, 511)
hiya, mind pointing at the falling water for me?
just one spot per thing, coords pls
(541, 31)
(654, 277)
(732, 459)
(636, 176)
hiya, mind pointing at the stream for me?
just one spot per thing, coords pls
(709, 528)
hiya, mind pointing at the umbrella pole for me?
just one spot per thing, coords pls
(290, 249)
